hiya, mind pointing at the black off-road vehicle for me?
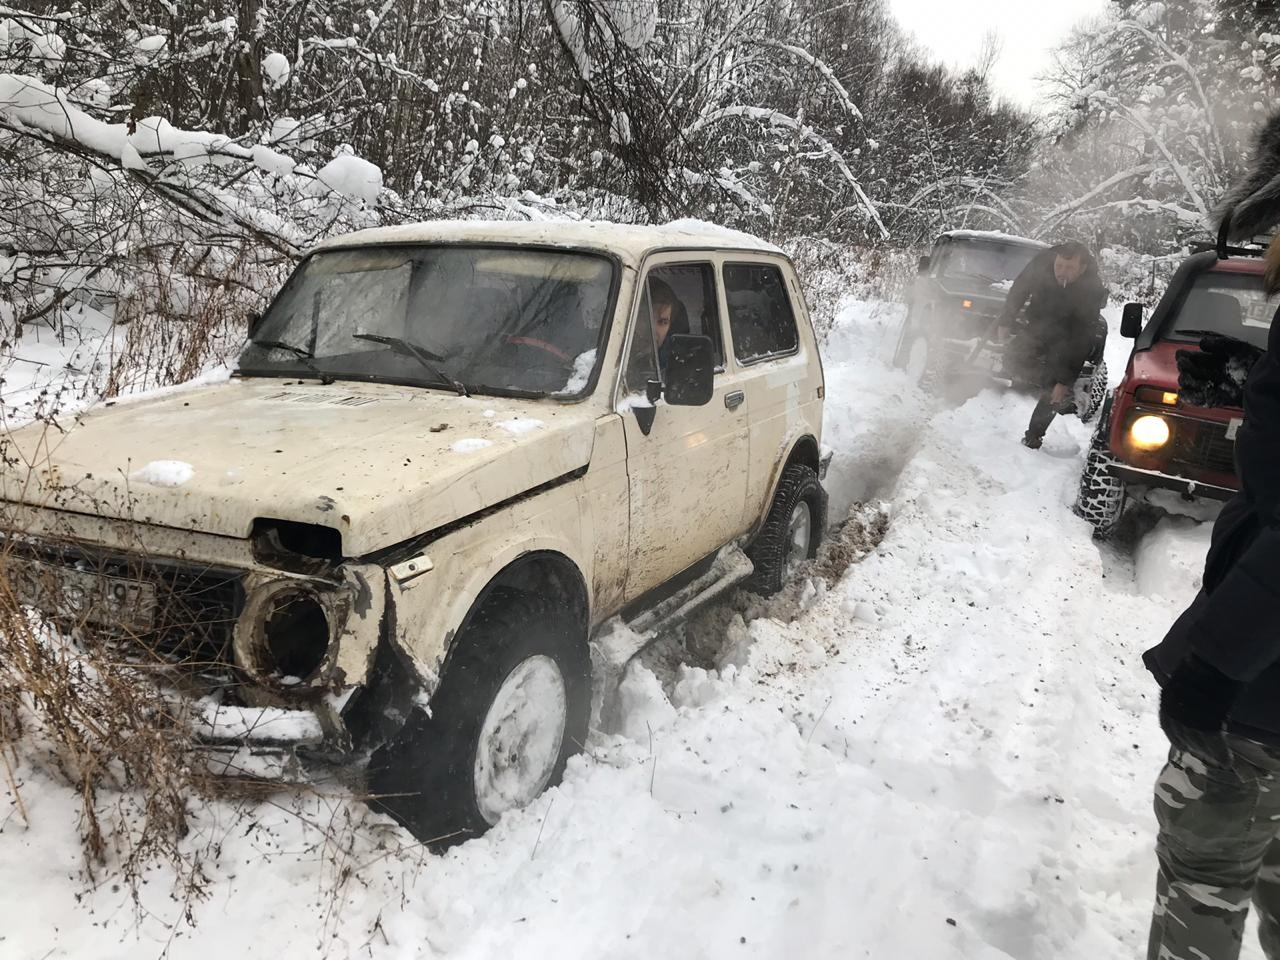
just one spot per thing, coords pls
(953, 307)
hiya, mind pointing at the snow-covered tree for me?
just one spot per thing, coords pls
(1157, 104)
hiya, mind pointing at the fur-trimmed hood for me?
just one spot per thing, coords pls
(1254, 203)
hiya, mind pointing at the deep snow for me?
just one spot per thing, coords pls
(946, 754)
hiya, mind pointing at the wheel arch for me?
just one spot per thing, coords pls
(804, 451)
(539, 573)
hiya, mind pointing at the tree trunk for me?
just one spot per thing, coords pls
(250, 90)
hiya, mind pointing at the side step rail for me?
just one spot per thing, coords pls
(618, 642)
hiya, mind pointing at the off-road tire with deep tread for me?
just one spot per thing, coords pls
(1095, 395)
(424, 778)
(1102, 497)
(768, 552)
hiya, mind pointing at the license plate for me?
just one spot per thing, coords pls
(82, 596)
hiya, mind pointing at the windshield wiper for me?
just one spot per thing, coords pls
(421, 354)
(306, 356)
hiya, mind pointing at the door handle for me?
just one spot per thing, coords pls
(734, 400)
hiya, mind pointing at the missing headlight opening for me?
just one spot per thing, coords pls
(295, 638)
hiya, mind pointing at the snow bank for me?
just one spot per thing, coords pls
(874, 414)
(1169, 562)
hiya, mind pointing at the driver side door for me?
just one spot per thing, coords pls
(686, 466)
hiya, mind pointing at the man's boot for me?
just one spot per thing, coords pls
(1041, 417)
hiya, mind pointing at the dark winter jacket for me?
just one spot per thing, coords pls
(1234, 623)
(1061, 321)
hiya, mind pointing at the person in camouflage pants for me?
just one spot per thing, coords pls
(1218, 806)
(1218, 798)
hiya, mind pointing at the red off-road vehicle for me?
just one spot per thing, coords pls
(1147, 438)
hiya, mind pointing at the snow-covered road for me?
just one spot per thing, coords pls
(948, 753)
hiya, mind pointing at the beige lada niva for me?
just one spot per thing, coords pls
(452, 459)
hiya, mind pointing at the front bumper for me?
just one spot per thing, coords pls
(287, 746)
(1164, 481)
(186, 627)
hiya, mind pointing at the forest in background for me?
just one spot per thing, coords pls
(171, 160)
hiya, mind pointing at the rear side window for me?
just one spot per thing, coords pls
(760, 316)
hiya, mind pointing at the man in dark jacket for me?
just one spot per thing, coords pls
(1063, 294)
(1218, 798)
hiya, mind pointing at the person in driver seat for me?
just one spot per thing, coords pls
(669, 316)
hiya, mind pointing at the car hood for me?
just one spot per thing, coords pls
(1158, 367)
(378, 463)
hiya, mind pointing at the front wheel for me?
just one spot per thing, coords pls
(902, 348)
(512, 707)
(792, 531)
(1102, 496)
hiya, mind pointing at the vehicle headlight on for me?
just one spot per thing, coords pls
(1149, 432)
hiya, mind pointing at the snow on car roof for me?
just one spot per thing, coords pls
(994, 235)
(626, 239)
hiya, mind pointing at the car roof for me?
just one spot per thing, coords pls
(628, 241)
(994, 236)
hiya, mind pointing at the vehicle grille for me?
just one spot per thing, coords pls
(1204, 445)
(196, 607)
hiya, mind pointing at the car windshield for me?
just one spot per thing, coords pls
(500, 320)
(985, 261)
(1230, 304)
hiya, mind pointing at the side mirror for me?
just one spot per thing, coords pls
(1131, 321)
(689, 379)
(923, 265)
(255, 321)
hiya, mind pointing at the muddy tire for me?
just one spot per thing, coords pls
(922, 361)
(792, 532)
(1094, 394)
(511, 709)
(1102, 497)
(902, 348)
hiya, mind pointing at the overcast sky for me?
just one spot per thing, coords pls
(954, 30)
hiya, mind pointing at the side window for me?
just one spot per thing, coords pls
(678, 298)
(642, 366)
(760, 314)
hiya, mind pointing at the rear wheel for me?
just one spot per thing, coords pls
(511, 709)
(792, 531)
